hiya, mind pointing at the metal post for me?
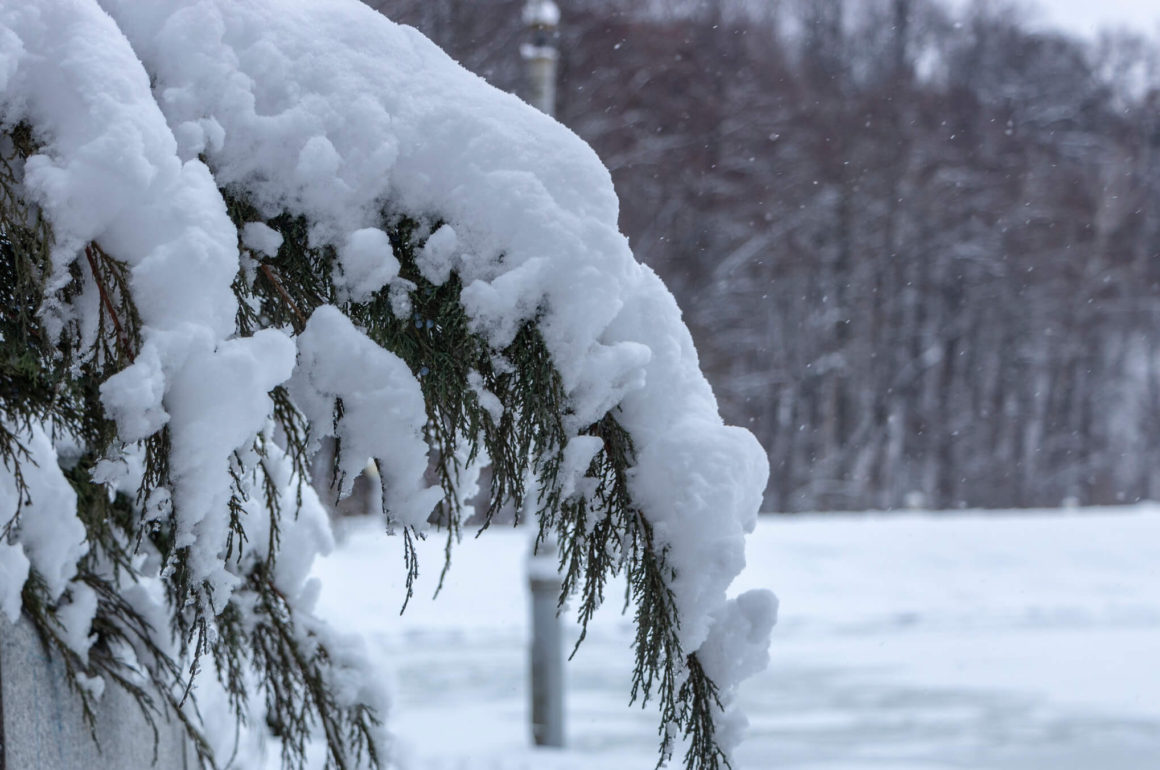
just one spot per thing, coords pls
(541, 18)
(547, 648)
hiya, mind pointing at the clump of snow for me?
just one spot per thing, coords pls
(738, 648)
(435, 258)
(302, 537)
(13, 568)
(76, 618)
(94, 685)
(383, 410)
(366, 262)
(488, 400)
(578, 455)
(261, 238)
(48, 529)
(699, 480)
(133, 397)
(400, 298)
(206, 427)
(47, 537)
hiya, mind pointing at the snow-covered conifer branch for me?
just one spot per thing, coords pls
(302, 222)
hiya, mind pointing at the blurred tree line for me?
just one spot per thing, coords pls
(919, 250)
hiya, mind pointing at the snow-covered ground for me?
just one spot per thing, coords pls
(906, 642)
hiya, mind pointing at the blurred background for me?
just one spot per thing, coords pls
(918, 246)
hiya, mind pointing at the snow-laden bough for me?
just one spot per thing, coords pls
(231, 230)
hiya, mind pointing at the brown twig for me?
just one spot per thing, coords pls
(272, 277)
(90, 253)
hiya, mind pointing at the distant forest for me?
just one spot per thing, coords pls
(919, 251)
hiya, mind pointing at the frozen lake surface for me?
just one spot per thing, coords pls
(1002, 641)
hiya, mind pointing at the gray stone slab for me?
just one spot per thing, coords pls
(43, 727)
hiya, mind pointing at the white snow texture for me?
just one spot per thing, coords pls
(325, 109)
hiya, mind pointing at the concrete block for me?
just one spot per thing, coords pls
(43, 727)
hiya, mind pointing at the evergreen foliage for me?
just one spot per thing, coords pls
(52, 377)
(925, 233)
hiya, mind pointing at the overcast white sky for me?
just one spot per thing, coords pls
(1088, 16)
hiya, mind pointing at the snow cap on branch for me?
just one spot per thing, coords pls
(325, 112)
